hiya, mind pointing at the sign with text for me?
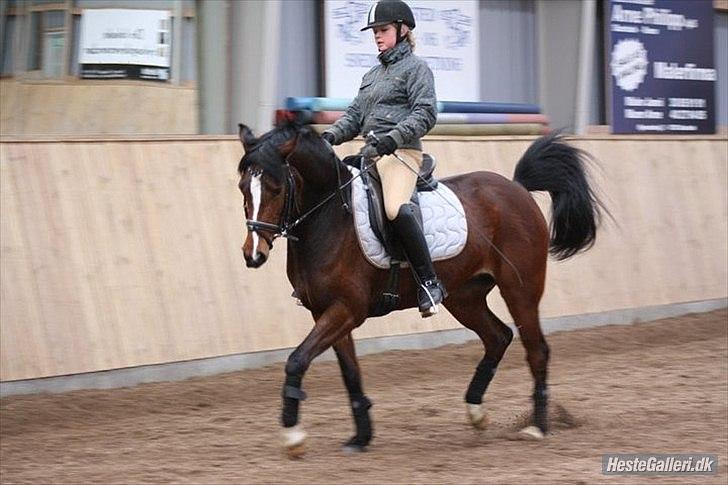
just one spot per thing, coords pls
(446, 35)
(660, 66)
(120, 43)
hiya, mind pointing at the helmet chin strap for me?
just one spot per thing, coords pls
(400, 37)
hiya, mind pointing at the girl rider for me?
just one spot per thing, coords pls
(397, 102)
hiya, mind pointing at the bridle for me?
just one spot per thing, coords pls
(286, 221)
(284, 225)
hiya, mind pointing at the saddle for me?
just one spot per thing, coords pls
(389, 299)
(426, 182)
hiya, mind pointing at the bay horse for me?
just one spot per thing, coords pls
(292, 182)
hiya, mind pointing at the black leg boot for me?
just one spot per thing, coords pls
(431, 292)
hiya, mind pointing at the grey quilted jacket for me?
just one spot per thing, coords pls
(396, 98)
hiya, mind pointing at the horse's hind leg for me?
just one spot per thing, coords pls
(470, 307)
(523, 305)
(360, 404)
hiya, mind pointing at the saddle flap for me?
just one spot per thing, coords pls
(444, 224)
(377, 216)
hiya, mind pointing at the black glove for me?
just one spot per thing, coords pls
(368, 152)
(328, 137)
(386, 146)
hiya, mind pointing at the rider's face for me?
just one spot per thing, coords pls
(385, 36)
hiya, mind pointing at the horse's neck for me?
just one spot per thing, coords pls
(321, 178)
(323, 235)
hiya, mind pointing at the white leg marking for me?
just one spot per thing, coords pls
(477, 416)
(256, 192)
(294, 439)
(531, 433)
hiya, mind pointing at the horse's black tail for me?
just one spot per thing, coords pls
(552, 165)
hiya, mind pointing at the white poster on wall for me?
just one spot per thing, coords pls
(446, 36)
(118, 43)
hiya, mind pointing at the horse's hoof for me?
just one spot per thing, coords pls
(477, 416)
(294, 441)
(352, 449)
(295, 452)
(531, 433)
(355, 445)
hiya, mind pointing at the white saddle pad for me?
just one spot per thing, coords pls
(445, 227)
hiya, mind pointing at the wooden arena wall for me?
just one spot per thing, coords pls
(96, 107)
(125, 252)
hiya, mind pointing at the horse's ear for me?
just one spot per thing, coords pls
(246, 136)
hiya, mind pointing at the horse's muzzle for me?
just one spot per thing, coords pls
(256, 260)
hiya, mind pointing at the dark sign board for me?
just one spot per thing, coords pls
(124, 71)
(660, 66)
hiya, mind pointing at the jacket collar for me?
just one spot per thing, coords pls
(390, 56)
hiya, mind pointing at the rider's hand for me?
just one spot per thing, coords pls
(386, 146)
(368, 152)
(328, 137)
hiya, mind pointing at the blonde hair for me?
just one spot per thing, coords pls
(410, 38)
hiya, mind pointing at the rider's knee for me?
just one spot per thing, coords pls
(405, 210)
(392, 210)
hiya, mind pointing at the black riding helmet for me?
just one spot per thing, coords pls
(390, 12)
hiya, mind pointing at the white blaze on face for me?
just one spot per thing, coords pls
(256, 193)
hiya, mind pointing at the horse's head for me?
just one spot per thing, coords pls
(273, 171)
(264, 182)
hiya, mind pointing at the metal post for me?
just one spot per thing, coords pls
(177, 42)
(586, 64)
(541, 53)
(68, 41)
(3, 21)
(269, 68)
(213, 47)
(253, 64)
(22, 38)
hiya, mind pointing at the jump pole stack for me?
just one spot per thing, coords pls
(454, 118)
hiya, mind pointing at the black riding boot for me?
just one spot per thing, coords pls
(431, 292)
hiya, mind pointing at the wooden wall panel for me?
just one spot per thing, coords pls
(117, 253)
(96, 107)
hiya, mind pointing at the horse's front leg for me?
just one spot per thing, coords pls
(335, 323)
(360, 404)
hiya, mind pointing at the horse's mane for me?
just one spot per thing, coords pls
(264, 151)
